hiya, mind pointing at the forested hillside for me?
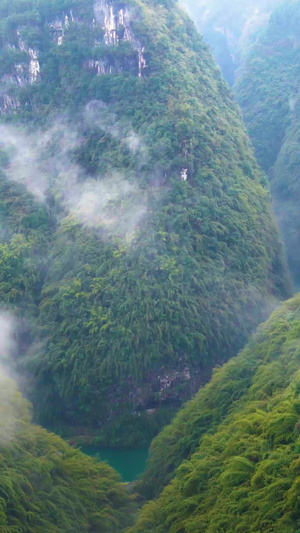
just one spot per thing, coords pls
(236, 444)
(267, 90)
(48, 487)
(138, 254)
(256, 44)
(139, 247)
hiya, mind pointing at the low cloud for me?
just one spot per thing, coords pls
(43, 162)
(9, 404)
(112, 203)
(36, 158)
(97, 115)
(7, 343)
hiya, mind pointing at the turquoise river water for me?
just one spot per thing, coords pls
(129, 463)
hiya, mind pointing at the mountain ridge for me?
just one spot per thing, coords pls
(164, 254)
(236, 443)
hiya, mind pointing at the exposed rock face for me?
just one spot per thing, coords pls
(113, 20)
(34, 66)
(97, 65)
(33, 70)
(20, 75)
(59, 26)
(8, 103)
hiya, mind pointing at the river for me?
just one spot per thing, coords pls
(129, 463)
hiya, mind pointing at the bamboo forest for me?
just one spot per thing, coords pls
(149, 266)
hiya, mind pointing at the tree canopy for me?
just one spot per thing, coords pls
(48, 487)
(236, 444)
(160, 255)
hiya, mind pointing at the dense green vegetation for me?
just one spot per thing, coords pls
(140, 296)
(267, 86)
(138, 250)
(236, 444)
(25, 228)
(267, 90)
(256, 46)
(48, 487)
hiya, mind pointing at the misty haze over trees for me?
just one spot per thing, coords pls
(257, 47)
(148, 226)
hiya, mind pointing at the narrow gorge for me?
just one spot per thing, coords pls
(139, 252)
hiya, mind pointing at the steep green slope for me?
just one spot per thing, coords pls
(256, 44)
(24, 236)
(267, 90)
(48, 487)
(165, 255)
(242, 475)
